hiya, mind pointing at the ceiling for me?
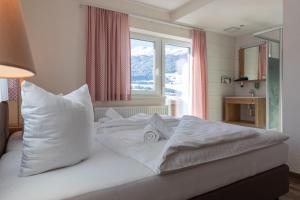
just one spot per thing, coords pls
(165, 4)
(217, 15)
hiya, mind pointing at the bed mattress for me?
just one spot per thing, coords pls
(110, 176)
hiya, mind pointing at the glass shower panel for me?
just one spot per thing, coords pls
(273, 37)
(273, 86)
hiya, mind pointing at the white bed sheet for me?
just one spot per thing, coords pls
(110, 176)
(130, 143)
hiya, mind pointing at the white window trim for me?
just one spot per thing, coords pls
(174, 43)
(159, 80)
(157, 77)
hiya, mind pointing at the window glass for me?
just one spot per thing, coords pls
(177, 78)
(142, 65)
(161, 67)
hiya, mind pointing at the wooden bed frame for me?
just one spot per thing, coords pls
(3, 126)
(269, 185)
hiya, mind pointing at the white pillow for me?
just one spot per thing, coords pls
(111, 113)
(57, 129)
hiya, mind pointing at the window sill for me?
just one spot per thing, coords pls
(146, 96)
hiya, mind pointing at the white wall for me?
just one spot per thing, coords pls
(56, 30)
(291, 72)
(220, 55)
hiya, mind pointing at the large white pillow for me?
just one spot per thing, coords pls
(57, 129)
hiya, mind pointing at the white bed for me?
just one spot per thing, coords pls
(107, 175)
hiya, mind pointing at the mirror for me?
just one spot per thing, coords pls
(252, 62)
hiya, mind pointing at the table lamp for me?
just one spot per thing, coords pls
(15, 55)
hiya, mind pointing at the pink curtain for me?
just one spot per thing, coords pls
(262, 63)
(108, 55)
(199, 75)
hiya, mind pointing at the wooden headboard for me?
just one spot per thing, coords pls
(3, 126)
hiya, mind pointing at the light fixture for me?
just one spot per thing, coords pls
(15, 55)
(232, 29)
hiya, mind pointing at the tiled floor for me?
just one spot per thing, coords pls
(294, 193)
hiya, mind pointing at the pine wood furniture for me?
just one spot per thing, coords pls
(233, 111)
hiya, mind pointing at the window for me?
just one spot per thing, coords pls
(142, 65)
(145, 65)
(177, 77)
(161, 67)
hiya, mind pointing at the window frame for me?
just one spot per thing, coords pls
(157, 70)
(177, 43)
(159, 48)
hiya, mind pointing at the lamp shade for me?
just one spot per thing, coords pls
(15, 55)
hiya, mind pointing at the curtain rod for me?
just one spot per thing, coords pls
(178, 25)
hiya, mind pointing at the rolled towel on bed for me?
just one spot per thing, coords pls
(151, 135)
(157, 122)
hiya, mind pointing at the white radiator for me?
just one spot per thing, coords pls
(132, 110)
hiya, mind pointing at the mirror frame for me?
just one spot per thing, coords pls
(241, 62)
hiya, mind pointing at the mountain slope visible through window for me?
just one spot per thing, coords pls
(142, 65)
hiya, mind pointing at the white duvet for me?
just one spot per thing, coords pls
(194, 142)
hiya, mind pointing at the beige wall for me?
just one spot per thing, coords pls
(56, 31)
(291, 71)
